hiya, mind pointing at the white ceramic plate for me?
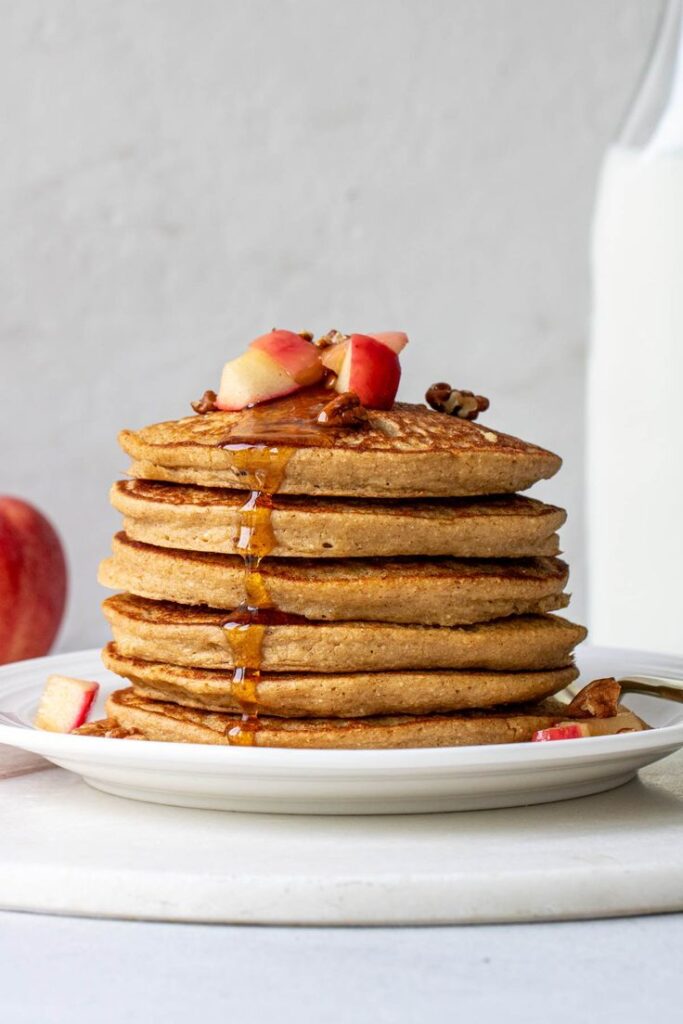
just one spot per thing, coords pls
(346, 781)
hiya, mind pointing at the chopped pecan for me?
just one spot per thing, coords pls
(343, 411)
(599, 699)
(109, 728)
(207, 403)
(331, 338)
(119, 733)
(464, 404)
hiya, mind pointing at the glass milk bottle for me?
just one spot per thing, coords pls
(635, 394)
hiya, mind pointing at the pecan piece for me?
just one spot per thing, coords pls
(109, 728)
(207, 403)
(331, 338)
(599, 699)
(119, 733)
(464, 404)
(343, 411)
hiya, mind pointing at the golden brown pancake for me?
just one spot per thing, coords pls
(206, 638)
(347, 695)
(159, 720)
(441, 591)
(208, 519)
(401, 584)
(409, 451)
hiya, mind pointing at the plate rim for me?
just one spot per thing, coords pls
(165, 756)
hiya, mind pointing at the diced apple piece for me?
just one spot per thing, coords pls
(566, 731)
(251, 378)
(371, 370)
(395, 340)
(624, 721)
(65, 703)
(295, 355)
(333, 357)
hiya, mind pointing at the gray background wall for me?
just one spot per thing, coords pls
(177, 177)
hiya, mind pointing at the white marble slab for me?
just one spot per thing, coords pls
(69, 849)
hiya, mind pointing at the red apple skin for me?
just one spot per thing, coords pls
(65, 703)
(298, 357)
(33, 581)
(573, 731)
(371, 370)
(396, 340)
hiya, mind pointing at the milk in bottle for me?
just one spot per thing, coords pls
(635, 400)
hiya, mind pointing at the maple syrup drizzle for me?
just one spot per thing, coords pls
(266, 439)
(288, 422)
(265, 468)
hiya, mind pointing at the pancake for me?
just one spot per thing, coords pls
(205, 519)
(159, 720)
(199, 637)
(348, 695)
(440, 591)
(408, 451)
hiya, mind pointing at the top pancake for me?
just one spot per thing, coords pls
(408, 451)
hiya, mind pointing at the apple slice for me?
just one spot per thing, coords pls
(295, 355)
(624, 721)
(566, 731)
(274, 365)
(333, 357)
(65, 703)
(395, 340)
(371, 370)
(251, 378)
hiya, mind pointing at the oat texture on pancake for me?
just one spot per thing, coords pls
(305, 561)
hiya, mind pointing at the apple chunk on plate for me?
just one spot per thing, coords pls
(624, 721)
(568, 731)
(370, 369)
(274, 365)
(65, 703)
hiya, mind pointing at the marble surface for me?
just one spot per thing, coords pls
(55, 969)
(70, 849)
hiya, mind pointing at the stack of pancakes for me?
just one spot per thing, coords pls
(290, 584)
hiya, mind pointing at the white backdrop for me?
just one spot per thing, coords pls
(177, 177)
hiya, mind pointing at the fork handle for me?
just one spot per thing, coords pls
(653, 686)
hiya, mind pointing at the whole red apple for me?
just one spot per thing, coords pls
(32, 581)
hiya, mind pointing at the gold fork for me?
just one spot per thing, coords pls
(654, 686)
